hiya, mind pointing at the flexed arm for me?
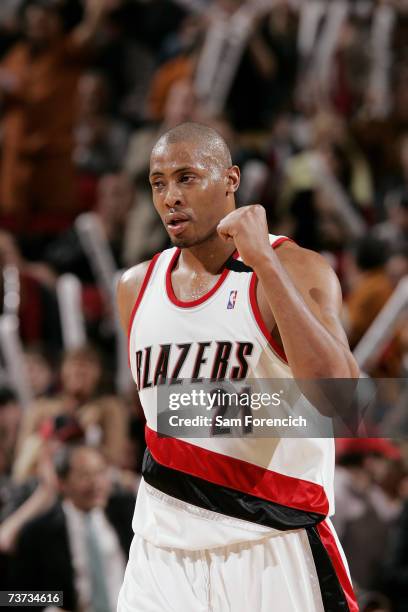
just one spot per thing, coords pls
(302, 293)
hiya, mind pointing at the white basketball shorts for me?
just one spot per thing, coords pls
(275, 573)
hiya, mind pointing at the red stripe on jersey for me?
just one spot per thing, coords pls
(279, 241)
(237, 474)
(329, 542)
(139, 297)
(257, 313)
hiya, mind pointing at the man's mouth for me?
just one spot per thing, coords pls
(176, 222)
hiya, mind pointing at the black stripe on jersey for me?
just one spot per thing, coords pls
(224, 500)
(237, 266)
(334, 599)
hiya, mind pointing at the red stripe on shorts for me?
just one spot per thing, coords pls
(329, 542)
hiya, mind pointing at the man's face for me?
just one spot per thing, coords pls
(192, 191)
(39, 373)
(91, 94)
(87, 484)
(115, 198)
(80, 376)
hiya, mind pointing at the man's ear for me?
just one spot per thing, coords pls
(233, 178)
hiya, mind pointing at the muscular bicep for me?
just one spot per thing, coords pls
(127, 292)
(322, 293)
(317, 284)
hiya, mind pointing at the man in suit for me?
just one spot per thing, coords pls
(79, 546)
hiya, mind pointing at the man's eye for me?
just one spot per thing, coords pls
(186, 178)
(157, 184)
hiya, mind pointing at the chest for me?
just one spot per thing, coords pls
(213, 335)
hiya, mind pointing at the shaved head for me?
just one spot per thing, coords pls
(210, 142)
(193, 182)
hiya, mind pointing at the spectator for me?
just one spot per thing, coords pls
(133, 35)
(67, 254)
(381, 139)
(26, 500)
(115, 196)
(332, 143)
(102, 418)
(183, 39)
(350, 68)
(246, 50)
(395, 229)
(359, 514)
(38, 81)
(100, 139)
(268, 65)
(36, 305)
(370, 290)
(80, 545)
(327, 189)
(179, 68)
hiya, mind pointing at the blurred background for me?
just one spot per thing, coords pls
(312, 98)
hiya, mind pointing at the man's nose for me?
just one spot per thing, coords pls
(172, 196)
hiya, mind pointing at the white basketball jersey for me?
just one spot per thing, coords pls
(211, 491)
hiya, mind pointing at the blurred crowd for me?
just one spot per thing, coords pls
(312, 98)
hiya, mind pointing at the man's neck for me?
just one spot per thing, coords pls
(210, 256)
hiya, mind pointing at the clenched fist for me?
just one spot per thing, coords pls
(248, 229)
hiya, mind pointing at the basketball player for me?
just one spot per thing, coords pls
(230, 524)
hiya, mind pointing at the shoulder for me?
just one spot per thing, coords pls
(131, 281)
(309, 269)
(121, 503)
(295, 256)
(133, 277)
(41, 526)
(128, 290)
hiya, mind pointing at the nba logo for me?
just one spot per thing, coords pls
(232, 299)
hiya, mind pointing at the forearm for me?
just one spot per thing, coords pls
(311, 350)
(40, 500)
(86, 32)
